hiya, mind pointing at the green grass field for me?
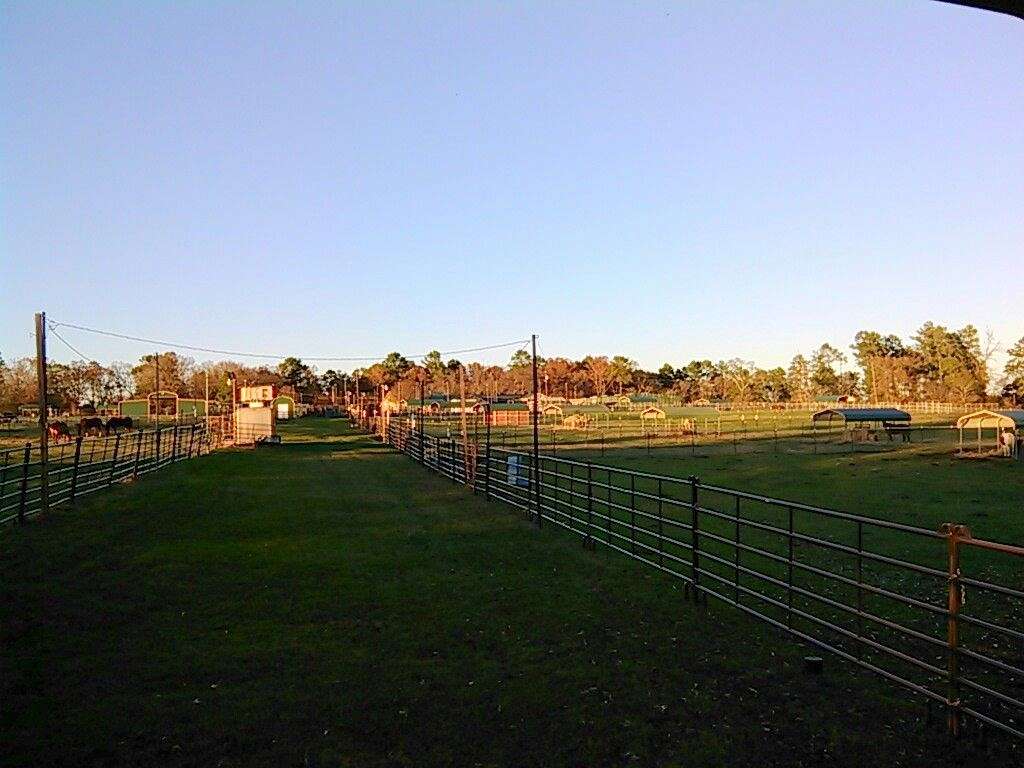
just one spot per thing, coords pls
(920, 483)
(328, 602)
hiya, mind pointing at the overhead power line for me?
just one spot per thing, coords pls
(267, 356)
(66, 343)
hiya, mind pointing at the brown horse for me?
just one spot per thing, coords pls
(116, 423)
(90, 426)
(58, 431)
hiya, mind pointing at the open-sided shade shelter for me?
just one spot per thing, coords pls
(863, 423)
(1006, 428)
(862, 415)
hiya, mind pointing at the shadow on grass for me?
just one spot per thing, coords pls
(273, 611)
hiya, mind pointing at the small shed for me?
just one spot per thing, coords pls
(1006, 428)
(254, 425)
(284, 407)
(165, 403)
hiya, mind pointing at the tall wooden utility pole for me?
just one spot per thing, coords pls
(156, 385)
(44, 435)
(206, 403)
(536, 432)
(156, 363)
(469, 467)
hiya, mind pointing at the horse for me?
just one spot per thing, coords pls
(90, 426)
(58, 431)
(115, 423)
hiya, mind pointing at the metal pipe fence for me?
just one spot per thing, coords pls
(703, 435)
(885, 596)
(85, 464)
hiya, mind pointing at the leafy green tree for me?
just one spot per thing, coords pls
(331, 379)
(557, 375)
(824, 376)
(396, 365)
(698, 380)
(667, 376)
(435, 367)
(622, 370)
(739, 379)
(598, 371)
(771, 385)
(297, 374)
(174, 370)
(882, 359)
(798, 378)
(520, 359)
(951, 362)
(1014, 368)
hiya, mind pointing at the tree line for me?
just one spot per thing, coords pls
(89, 383)
(936, 363)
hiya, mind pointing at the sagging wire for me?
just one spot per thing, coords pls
(66, 343)
(265, 356)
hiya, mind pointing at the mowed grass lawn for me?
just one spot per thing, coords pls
(328, 602)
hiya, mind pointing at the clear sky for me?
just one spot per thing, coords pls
(662, 180)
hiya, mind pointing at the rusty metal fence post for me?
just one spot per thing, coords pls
(954, 533)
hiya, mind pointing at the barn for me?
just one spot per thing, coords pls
(284, 407)
(168, 404)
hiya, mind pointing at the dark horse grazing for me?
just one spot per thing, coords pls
(90, 426)
(115, 423)
(58, 431)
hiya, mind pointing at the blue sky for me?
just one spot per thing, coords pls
(662, 180)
